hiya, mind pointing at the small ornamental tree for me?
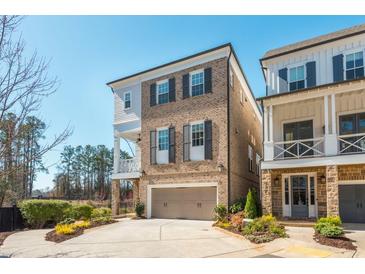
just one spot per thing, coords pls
(139, 208)
(251, 205)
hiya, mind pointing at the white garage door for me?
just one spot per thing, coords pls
(195, 203)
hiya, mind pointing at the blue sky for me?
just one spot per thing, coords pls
(88, 51)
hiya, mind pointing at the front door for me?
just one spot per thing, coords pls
(299, 188)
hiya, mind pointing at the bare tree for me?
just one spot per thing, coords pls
(24, 83)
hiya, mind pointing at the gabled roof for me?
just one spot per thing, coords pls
(170, 63)
(337, 35)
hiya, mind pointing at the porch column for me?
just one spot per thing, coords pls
(115, 196)
(266, 184)
(332, 191)
(268, 134)
(116, 154)
(330, 139)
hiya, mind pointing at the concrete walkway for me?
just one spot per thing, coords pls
(164, 238)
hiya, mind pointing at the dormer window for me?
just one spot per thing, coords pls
(354, 65)
(127, 100)
(296, 78)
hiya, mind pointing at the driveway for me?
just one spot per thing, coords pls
(164, 238)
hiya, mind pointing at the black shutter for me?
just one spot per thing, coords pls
(186, 91)
(153, 147)
(208, 148)
(186, 141)
(337, 62)
(208, 80)
(311, 74)
(153, 94)
(172, 96)
(283, 80)
(172, 145)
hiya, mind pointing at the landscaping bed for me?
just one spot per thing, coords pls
(53, 236)
(4, 235)
(340, 242)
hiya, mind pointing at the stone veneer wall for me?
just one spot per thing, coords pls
(272, 193)
(332, 190)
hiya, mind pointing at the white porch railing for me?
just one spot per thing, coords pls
(129, 165)
(351, 143)
(298, 149)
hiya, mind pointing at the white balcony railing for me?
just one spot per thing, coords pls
(298, 149)
(351, 143)
(129, 165)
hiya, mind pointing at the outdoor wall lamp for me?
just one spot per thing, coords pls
(220, 167)
(276, 181)
(323, 179)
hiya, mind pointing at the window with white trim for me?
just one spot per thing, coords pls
(127, 100)
(296, 78)
(258, 164)
(163, 139)
(354, 65)
(197, 83)
(197, 135)
(163, 92)
(250, 158)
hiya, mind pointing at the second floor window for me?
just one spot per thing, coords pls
(197, 83)
(163, 92)
(127, 100)
(250, 158)
(296, 78)
(163, 139)
(354, 65)
(197, 135)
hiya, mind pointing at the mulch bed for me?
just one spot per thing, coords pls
(138, 218)
(341, 242)
(4, 235)
(52, 236)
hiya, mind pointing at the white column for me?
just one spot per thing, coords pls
(271, 124)
(326, 114)
(116, 154)
(333, 111)
(266, 128)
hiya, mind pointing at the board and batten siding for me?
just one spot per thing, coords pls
(313, 109)
(133, 114)
(322, 55)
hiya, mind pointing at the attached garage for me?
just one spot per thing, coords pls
(195, 203)
(352, 203)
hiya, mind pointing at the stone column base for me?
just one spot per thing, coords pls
(266, 184)
(115, 197)
(332, 191)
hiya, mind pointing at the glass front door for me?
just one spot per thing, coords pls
(299, 188)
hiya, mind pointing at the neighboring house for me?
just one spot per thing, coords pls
(314, 127)
(196, 128)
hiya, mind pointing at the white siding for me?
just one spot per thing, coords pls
(321, 54)
(134, 113)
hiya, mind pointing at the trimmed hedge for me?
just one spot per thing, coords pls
(38, 213)
(101, 212)
(79, 212)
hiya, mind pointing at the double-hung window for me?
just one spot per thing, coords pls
(197, 135)
(250, 158)
(163, 92)
(197, 83)
(354, 65)
(163, 139)
(127, 100)
(296, 78)
(257, 164)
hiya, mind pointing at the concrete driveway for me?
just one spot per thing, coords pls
(164, 238)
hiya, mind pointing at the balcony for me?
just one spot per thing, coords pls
(128, 169)
(298, 149)
(351, 143)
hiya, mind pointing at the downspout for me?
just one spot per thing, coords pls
(228, 130)
(263, 145)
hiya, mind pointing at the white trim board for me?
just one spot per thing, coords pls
(352, 182)
(150, 187)
(352, 159)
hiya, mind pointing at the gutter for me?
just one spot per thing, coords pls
(228, 131)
